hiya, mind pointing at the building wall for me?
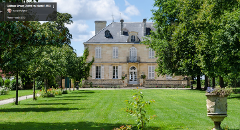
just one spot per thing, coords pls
(107, 60)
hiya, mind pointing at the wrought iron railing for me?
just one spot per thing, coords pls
(133, 59)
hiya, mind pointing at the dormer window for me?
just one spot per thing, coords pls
(132, 38)
(148, 31)
(108, 34)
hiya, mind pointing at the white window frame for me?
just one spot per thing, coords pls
(151, 72)
(115, 52)
(151, 53)
(98, 72)
(98, 52)
(115, 72)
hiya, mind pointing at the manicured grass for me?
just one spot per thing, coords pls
(12, 94)
(102, 110)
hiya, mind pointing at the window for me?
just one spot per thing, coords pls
(98, 52)
(98, 72)
(115, 52)
(148, 31)
(168, 77)
(108, 34)
(132, 38)
(151, 53)
(151, 70)
(115, 72)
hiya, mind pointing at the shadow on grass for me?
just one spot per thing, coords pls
(63, 126)
(38, 109)
(50, 104)
(82, 91)
(234, 96)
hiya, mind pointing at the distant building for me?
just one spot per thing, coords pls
(119, 55)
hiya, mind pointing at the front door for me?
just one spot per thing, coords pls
(133, 75)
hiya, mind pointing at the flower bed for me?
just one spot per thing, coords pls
(52, 92)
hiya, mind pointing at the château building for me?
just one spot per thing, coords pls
(121, 59)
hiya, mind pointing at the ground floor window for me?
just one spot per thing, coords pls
(98, 72)
(115, 72)
(151, 72)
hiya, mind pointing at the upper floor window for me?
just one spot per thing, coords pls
(115, 52)
(151, 53)
(132, 38)
(98, 52)
(108, 34)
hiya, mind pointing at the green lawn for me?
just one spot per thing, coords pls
(12, 94)
(102, 110)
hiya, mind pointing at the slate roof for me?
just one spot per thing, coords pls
(115, 30)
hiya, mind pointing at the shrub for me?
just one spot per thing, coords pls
(1, 81)
(137, 109)
(13, 84)
(127, 127)
(4, 91)
(7, 83)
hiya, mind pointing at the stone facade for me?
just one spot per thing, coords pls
(118, 53)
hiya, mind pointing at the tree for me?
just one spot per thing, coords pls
(173, 39)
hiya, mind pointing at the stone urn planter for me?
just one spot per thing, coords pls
(217, 105)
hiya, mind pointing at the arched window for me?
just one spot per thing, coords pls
(132, 38)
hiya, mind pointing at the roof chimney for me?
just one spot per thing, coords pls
(121, 26)
(144, 27)
(99, 25)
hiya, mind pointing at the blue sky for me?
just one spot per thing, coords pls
(85, 12)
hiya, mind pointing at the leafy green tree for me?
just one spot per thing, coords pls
(173, 39)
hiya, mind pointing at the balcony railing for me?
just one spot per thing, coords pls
(133, 59)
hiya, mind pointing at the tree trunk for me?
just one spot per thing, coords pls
(206, 82)
(34, 98)
(61, 81)
(198, 82)
(221, 82)
(213, 82)
(16, 102)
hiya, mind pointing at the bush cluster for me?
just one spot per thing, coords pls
(4, 91)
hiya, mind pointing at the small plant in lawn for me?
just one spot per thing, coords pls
(137, 109)
(127, 127)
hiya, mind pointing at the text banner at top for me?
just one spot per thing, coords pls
(36, 11)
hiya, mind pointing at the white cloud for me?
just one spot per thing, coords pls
(84, 37)
(131, 9)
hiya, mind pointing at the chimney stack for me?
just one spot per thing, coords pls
(121, 26)
(144, 27)
(99, 25)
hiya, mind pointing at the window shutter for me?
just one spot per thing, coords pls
(116, 52)
(93, 72)
(119, 72)
(152, 53)
(100, 56)
(149, 53)
(149, 72)
(102, 72)
(110, 72)
(113, 52)
(153, 71)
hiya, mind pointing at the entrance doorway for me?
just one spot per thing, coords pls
(133, 75)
